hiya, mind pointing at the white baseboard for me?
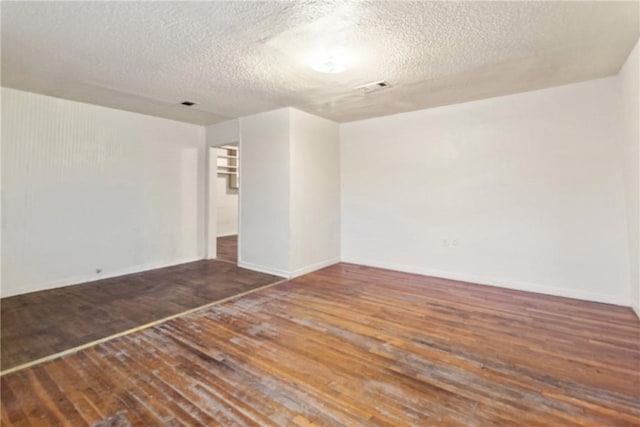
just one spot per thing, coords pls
(636, 309)
(498, 282)
(289, 274)
(79, 280)
(264, 269)
(314, 267)
(228, 234)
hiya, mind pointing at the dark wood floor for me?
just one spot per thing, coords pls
(349, 346)
(227, 248)
(38, 324)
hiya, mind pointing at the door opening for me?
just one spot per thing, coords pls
(224, 185)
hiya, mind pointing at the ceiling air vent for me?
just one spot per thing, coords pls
(373, 87)
(188, 103)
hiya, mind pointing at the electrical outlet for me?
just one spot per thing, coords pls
(450, 243)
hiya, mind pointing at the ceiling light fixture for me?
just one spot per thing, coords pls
(333, 62)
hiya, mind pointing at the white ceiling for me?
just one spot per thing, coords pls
(239, 58)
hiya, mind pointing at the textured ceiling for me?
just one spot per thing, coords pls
(240, 58)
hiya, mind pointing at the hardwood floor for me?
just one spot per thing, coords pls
(347, 346)
(38, 324)
(227, 248)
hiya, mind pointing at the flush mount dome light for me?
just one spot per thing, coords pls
(330, 62)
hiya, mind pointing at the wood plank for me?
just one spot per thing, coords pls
(38, 324)
(227, 248)
(352, 345)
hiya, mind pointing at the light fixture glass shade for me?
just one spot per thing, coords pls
(330, 62)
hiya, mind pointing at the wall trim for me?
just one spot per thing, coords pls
(289, 274)
(314, 267)
(87, 278)
(497, 282)
(265, 269)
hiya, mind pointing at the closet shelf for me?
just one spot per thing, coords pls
(228, 165)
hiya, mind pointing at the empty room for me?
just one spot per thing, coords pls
(320, 213)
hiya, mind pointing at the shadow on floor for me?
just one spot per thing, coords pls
(40, 324)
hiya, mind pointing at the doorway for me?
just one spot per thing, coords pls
(224, 190)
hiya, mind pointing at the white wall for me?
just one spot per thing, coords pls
(88, 187)
(289, 192)
(315, 192)
(264, 192)
(522, 191)
(629, 78)
(223, 133)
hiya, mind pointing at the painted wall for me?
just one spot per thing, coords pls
(264, 241)
(223, 133)
(88, 187)
(315, 192)
(289, 192)
(522, 191)
(629, 78)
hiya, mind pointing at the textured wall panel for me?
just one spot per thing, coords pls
(87, 188)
